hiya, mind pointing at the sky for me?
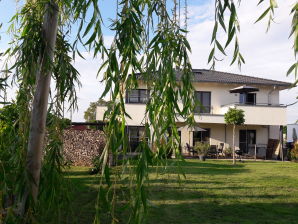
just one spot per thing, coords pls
(267, 55)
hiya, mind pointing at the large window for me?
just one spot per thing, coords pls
(247, 140)
(204, 102)
(137, 96)
(135, 135)
(201, 136)
(248, 98)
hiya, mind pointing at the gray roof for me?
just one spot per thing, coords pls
(204, 75)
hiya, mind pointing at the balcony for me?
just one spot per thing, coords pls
(255, 114)
(260, 114)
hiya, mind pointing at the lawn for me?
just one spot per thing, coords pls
(213, 192)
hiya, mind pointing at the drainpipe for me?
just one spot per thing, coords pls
(281, 142)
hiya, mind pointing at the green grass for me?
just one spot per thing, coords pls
(213, 192)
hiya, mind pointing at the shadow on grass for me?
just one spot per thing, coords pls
(194, 201)
(206, 168)
(215, 212)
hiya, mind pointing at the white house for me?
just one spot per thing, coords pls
(217, 92)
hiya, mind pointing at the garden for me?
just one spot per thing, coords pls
(213, 192)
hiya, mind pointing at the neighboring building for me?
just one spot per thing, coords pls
(292, 132)
(217, 92)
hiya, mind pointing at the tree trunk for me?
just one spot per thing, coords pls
(234, 159)
(40, 101)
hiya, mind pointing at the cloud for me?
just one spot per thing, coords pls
(267, 55)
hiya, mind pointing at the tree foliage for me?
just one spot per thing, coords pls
(132, 51)
(149, 43)
(234, 116)
(90, 113)
(226, 19)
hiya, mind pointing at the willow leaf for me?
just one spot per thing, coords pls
(220, 47)
(263, 15)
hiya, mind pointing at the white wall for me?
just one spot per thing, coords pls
(217, 135)
(261, 115)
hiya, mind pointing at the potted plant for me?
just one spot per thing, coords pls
(228, 152)
(202, 150)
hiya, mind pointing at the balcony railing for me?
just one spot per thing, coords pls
(254, 104)
(204, 110)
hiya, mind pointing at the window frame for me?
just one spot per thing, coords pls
(139, 99)
(136, 139)
(208, 130)
(243, 98)
(201, 109)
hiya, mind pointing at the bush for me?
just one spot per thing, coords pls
(228, 151)
(202, 148)
(96, 165)
(294, 152)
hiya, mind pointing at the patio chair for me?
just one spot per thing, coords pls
(239, 153)
(213, 151)
(190, 149)
(220, 149)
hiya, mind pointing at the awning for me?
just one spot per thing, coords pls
(244, 89)
(195, 128)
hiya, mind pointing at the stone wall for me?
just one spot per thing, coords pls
(81, 146)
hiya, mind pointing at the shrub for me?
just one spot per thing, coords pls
(228, 151)
(294, 152)
(202, 148)
(96, 165)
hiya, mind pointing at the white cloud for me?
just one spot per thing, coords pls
(267, 55)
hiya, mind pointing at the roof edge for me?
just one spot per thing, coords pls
(281, 83)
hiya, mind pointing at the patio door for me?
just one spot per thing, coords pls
(247, 139)
(135, 135)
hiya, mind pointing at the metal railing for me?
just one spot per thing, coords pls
(254, 104)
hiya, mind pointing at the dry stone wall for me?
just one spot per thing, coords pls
(81, 146)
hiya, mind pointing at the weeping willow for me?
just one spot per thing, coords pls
(43, 51)
(149, 46)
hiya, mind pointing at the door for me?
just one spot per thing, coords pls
(248, 98)
(247, 140)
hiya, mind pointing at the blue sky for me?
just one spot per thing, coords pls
(267, 55)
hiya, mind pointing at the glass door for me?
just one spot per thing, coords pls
(247, 140)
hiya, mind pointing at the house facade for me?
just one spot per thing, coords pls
(217, 92)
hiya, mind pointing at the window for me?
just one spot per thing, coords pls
(201, 136)
(137, 96)
(248, 98)
(247, 140)
(204, 100)
(135, 136)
